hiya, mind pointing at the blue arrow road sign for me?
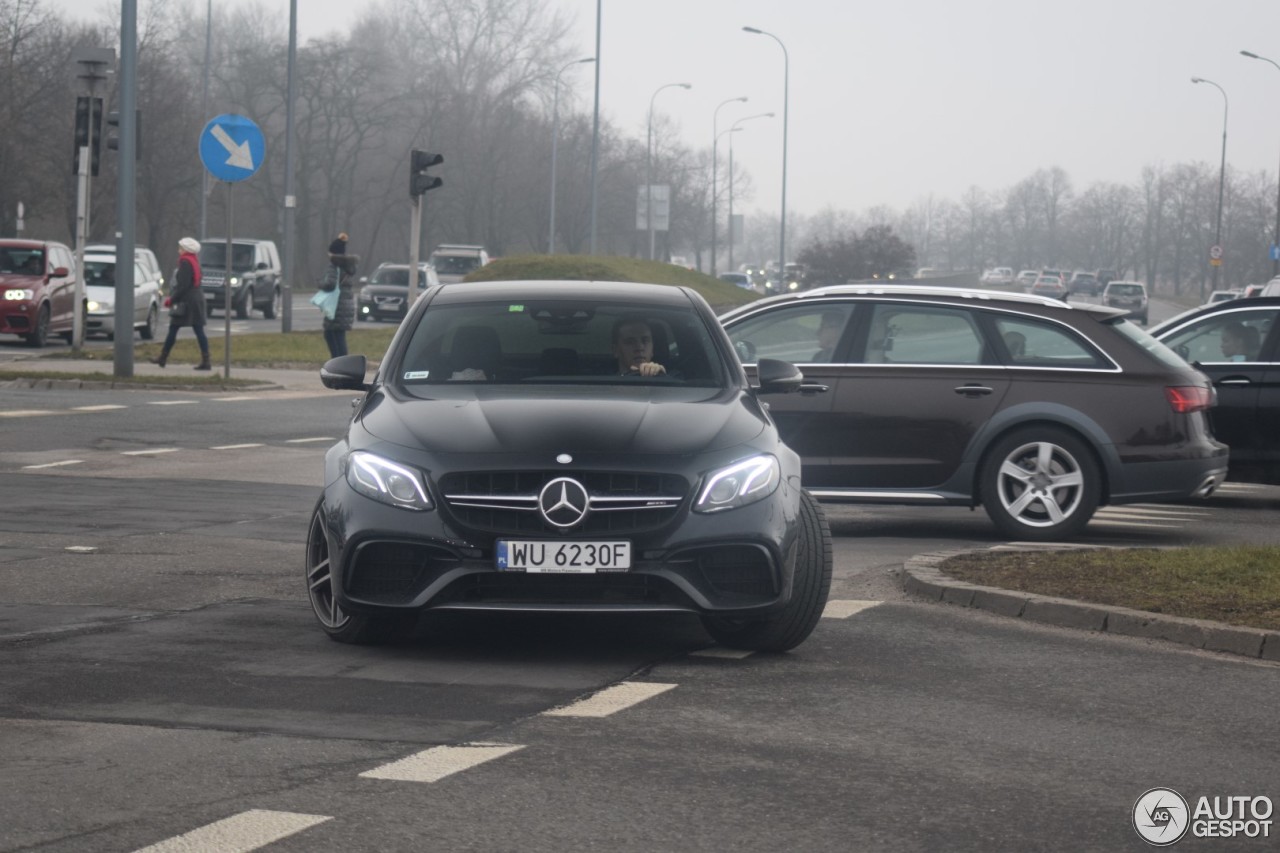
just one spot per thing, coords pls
(232, 147)
(1275, 252)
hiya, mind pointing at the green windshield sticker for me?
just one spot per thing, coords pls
(515, 309)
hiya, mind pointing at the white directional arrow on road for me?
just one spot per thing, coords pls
(240, 156)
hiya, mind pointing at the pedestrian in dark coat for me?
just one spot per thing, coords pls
(186, 303)
(343, 270)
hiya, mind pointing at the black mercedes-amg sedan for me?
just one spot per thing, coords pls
(566, 446)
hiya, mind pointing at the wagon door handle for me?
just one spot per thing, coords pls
(973, 390)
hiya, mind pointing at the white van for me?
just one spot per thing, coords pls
(453, 262)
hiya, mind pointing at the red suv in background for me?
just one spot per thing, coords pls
(37, 289)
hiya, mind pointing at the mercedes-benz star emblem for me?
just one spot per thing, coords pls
(563, 502)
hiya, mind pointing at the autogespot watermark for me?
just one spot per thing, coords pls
(1162, 816)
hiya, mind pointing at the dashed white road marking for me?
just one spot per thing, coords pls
(153, 451)
(172, 402)
(106, 407)
(611, 700)
(434, 764)
(240, 833)
(54, 464)
(235, 399)
(1105, 522)
(27, 413)
(844, 608)
(306, 440)
(722, 652)
(235, 446)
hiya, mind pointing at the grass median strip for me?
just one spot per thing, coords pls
(1235, 585)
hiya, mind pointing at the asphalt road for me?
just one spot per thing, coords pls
(160, 675)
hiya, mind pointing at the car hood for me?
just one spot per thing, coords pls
(553, 420)
(386, 290)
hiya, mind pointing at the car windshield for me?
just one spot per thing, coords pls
(99, 272)
(396, 275)
(535, 341)
(22, 261)
(214, 256)
(455, 264)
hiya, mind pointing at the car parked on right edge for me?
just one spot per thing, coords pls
(1040, 411)
(1237, 345)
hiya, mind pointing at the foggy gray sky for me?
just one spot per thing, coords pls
(894, 100)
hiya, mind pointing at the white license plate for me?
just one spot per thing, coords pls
(541, 556)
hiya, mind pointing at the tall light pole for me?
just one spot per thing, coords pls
(204, 115)
(1275, 242)
(715, 166)
(595, 135)
(786, 86)
(648, 162)
(555, 137)
(733, 129)
(1222, 174)
(290, 198)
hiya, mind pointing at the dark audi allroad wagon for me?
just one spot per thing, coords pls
(504, 457)
(1039, 410)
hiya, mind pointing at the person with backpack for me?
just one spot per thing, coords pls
(186, 303)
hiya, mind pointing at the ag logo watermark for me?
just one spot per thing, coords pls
(1162, 817)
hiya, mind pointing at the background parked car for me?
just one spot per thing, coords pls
(1128, 296)
(453, 262)
(141, 254)
(1026, 278)
(1105, 277)
(38, 289)
(1038, 410)
(1050, 286)
(998, 275)
(739, 279)
(1247, 415)
(100, 296)
(1083, 282)
(385, 294)
(1222, 296)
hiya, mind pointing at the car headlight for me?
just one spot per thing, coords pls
(739, 484)
(19, 294)
(234, 280)
(386, 481)
(94, 305)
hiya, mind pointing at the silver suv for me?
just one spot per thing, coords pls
(1131, 296)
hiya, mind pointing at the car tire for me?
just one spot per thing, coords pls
(148, 330)
(340, 626)
(40, 333)
(272, 309)
(242, 306)
(810, 586)
(1040, 484)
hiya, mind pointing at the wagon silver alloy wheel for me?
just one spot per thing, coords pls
(320, 577)
(1040, 483)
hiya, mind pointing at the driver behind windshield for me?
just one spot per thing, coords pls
(633, 347)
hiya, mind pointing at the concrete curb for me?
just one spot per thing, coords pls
(41, 384)
(923, 579)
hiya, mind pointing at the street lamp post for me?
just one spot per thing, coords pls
(786, 85)
(648, 162)
(1275, 242)
(555, 137)
(595, 133)
(1222, 174)
(715, 165)
(734, 128)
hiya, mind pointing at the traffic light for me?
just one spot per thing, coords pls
(83, 123)
(113, 140)
(419, 180)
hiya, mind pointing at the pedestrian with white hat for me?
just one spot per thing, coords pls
(186, 303)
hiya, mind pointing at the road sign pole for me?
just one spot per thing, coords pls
(226, 295)
(82, 235)
(415, 244)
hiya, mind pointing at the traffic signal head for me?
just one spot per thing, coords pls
(113, 137)
(419, 180)
(85, 119)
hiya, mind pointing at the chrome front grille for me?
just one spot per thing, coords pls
(506, 502)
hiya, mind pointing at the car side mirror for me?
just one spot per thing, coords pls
(60, 272)
(262, 265)
(345, 373)
(778, 377)
(364, 279)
